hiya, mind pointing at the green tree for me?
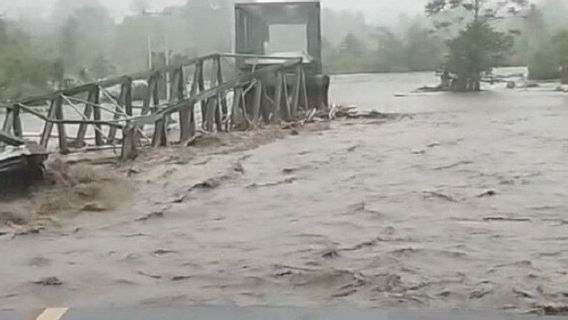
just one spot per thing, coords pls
(479, 45)
(22, 70)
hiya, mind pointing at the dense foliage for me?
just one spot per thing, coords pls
(82, 41)
(479, 45)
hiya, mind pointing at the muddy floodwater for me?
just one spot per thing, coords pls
(461, 204)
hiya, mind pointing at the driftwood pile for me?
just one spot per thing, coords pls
(339, 112)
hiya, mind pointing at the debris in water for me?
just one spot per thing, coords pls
(29, 230)
(553, 310)
(353, 148)
(152, 215)
(161, 252)
(272, 184)
(153, 276)
(523, 293)
(211, 183)
(49, 281)
(488, 193)
(330, 254)
(439, 195)
(94, 207)
(453, 165)
(507, 219)
(180, 278)
(480, 293)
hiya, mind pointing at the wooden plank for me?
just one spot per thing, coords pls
(201, 87)
(211, 106)
(296, 92)
(219, 82)
(11, 140)
(277, 111)
(287, 114)
(218, 114)
(156, 95)
(160, 136)
(149, 93)
(304, 91)
(240, 81)
(48, 127)
(120, 108)
(184, 112)
(237, 97)
(128, 96)
(113, 81)
(87, 113)
(17, 122)
(128, 150)
(8, 120)
(63, 148)
(96, 91)
(257, 101)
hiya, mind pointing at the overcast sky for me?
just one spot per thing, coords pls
(373, 9)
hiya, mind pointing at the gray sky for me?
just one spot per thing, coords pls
(374, 9)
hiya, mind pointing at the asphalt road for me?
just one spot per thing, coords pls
(258, 313)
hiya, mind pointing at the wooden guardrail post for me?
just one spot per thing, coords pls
(8, 120)
(296, 91)
(87, 113)
(201, 88)
(17, 122)
(96, 94)
(124, 105)
(257, 100)
(236, 107)
(223, 101)
(304, 90)
(277, 112)
(48, 127)
(129, 142)
(63, 148)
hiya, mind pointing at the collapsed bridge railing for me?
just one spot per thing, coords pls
(205, 94)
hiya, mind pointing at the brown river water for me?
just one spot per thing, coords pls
(461, 205)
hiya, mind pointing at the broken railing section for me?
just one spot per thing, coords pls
(207, 94)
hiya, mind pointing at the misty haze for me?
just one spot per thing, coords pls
(387, 159)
